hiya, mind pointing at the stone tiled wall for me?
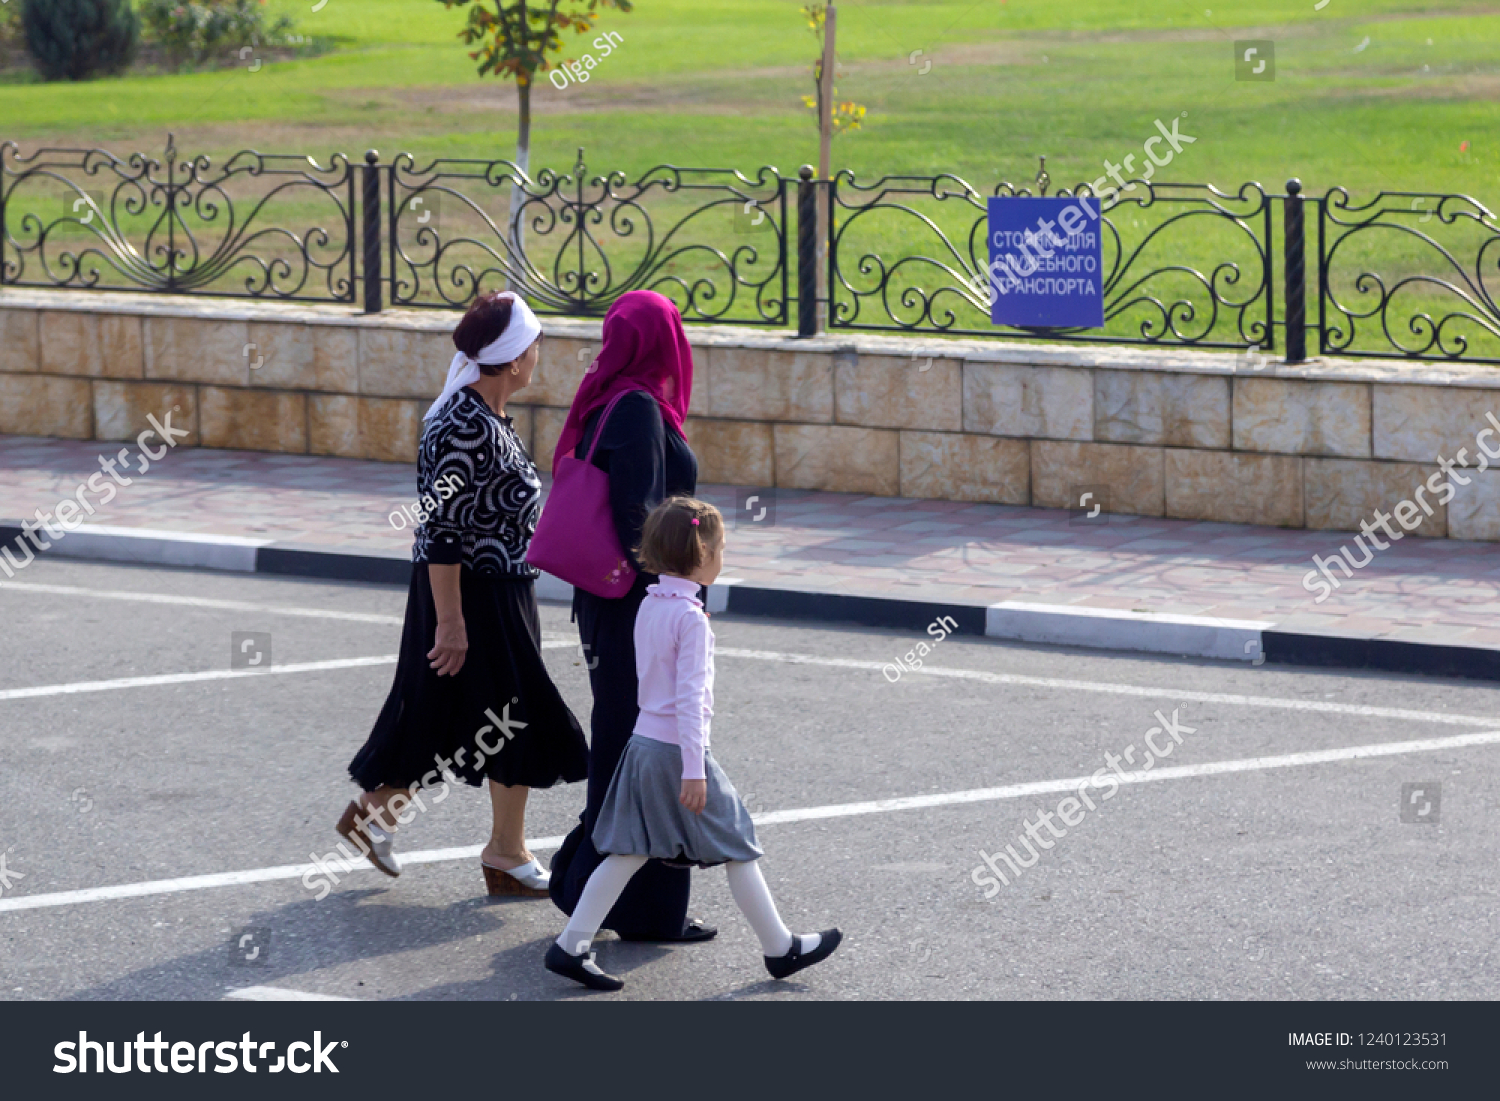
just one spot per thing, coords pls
(1164, 432)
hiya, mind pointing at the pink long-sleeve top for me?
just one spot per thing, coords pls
(674, 664)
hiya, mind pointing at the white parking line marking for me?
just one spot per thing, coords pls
(234, 879)
(555, 643)
(277, 994)
(190, 678)
(1104, 687)
(803, 814)
(200, 602)
(1108, 688)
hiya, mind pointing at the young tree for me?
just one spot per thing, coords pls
(833, 118)
(842, 117)
(516, 38)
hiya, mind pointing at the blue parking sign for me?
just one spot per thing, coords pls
(1045, 263)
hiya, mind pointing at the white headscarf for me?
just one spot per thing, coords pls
(519, 335)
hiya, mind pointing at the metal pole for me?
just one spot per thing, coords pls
(370, 207)
(1295, 263)
(807, 253)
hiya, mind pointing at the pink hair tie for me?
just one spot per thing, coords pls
(695, 521)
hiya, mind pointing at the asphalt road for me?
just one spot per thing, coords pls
(1272, 876)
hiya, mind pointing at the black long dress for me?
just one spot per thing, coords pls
(500, 717)
(646, 461)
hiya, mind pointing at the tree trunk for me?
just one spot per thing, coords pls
(523, 162)
(825, 157)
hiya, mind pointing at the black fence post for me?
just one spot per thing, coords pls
(370, 208)
(1295, 262)
(807, 253)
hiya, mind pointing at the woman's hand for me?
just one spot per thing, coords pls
(451, 647)
(694, 795)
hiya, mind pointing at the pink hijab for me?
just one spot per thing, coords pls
(644, 345)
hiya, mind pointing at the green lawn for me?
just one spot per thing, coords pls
(1378, 98)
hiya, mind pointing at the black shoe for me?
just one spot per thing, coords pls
(694, 930)
(580, 969)
(782, 967)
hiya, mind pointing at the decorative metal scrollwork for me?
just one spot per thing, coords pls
(1435, 294)
(85, 219)
(571, 243)
(1151, 296)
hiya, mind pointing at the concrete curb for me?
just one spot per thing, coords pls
(1254, 641)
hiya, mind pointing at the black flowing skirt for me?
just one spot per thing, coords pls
(654, 905)
(499, 718)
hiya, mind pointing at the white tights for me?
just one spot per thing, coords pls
(746, 883)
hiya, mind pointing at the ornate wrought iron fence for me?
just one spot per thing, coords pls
(1434, 296)
(1151, 294)
(1407, 275)
(84, 218)
(572, 243)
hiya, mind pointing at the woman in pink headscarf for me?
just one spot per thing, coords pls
(646, 358)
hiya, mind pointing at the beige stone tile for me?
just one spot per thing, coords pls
(390, 429)
(953, 466)
(732, 452)
(19, 346)
(252, 420)
(182, 349)
(121, 409)
(1474, 512)
(839, 459)
(523, 420)
(898, 392)
(304, 357)
(333, 425)
(1154, 407)
(1300, 417)
(401, 363)
(764, 385)
(42, 405)
(1005, 399)
(559, 369)
(97, 345)
(1125, 478)
(1419, 423)
(547, 427)
(1234, 487)
(1342, 492)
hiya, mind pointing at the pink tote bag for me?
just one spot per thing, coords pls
(575, 536)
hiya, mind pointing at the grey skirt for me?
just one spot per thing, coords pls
(641, 815)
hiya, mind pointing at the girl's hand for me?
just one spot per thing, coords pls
(694, 795)
(451, 648)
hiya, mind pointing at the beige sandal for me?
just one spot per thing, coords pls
(369, 839)
(529, 880)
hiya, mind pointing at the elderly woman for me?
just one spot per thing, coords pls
(646, 357)
(471, 693)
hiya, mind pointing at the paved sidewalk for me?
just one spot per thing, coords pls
(1437, 591)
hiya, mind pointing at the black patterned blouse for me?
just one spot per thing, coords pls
(479, 489)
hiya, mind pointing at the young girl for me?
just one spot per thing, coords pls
(669, 799)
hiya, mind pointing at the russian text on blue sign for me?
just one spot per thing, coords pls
(1045, 269)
